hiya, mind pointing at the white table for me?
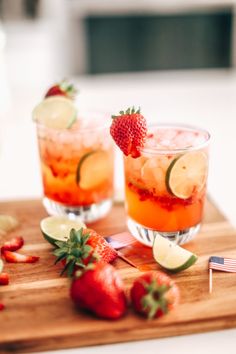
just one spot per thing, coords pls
(203, 98)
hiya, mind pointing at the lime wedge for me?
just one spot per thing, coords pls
(187, 174)
(1, 265)
(171, 256)
(93, 169)
(56, 112)
(57, 228)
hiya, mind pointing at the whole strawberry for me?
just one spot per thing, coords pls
(154, 294)
(62, 88)
(99, 290)
(129, 130)
(83, 246)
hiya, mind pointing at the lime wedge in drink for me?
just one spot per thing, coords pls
(57, 228)
(187, 174)
(56, 112)
(171, 256)
(93, 169)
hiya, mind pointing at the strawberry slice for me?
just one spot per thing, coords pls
(4, 279)
(129, 131)
(2, 307)
(14, 257)
(13, 245)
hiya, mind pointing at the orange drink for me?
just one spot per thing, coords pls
(77, 167)
(165, 186)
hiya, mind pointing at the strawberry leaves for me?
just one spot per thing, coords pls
(74, 251)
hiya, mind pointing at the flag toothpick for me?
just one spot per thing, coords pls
(221, 264)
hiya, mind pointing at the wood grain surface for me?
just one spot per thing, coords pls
(40, 316)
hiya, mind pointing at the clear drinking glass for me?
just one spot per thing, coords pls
(165, 187)
(77, 167)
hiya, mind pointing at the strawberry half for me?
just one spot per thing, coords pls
(154, 294)
(2, 307)
(4, 279)
(100, 290)
(62, 89)
(13, 245)
(129, 131)
(83, 246)
(14, 257)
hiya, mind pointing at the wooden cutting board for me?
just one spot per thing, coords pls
(40, 316)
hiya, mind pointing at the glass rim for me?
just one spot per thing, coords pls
(100, 124)
(154, 151)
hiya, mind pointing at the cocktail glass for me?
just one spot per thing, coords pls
(165, 187)
(77, 167)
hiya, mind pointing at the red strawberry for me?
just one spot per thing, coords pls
(14, 257)
(129, 130)
(82, 247)
(13, 245)
(1, 307)
(62, 89)
(4, 279)
(100, 290)
(154, 294)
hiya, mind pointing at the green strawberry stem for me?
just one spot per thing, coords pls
(155, 298)
(128, 111)
(74, 251)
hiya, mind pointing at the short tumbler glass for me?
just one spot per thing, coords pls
(77, 168)
(165, 187)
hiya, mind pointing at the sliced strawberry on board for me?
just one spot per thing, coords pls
(2, 307)
(63, 88)
(13, 245)
(129, 131)
(4, 279)
(14, 257)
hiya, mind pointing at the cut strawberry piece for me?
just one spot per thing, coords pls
(2, 307)
(13, 245)
(129, 131)
(14, 257)
(4, 279)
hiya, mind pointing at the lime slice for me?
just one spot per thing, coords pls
(55, 112)
(171, 256)
(93, 169)
(1, 265)
(57, 228)
(187, 174)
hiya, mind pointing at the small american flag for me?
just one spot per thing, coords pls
(223, 264)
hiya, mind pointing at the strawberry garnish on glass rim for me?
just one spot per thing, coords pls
(129, 131)
(84, 246)
(63, 88)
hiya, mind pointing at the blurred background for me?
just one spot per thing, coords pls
(174, 58)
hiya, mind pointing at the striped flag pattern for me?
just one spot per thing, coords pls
(223, 264)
